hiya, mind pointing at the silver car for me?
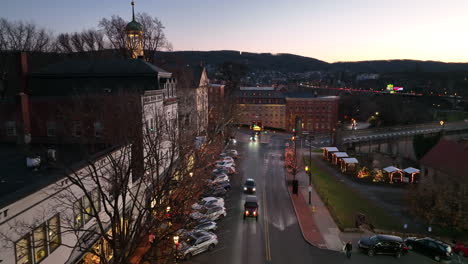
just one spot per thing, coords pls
(210, 226)
(196, 242)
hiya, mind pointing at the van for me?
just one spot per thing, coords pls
(251, 207)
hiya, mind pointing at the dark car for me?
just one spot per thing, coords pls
(214, 191)
(430, 247)
(225, 184)
(249, 186)
(383, 244)
(251, 207)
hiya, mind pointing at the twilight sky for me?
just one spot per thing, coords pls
(329, 30)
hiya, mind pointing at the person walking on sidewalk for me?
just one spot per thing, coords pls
(348, 248)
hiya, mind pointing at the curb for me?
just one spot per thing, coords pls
(299, 221)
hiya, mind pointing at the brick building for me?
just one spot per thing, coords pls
(263, 106)
(271, 108)
(318, 114)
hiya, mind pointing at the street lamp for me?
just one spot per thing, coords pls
(191, 174)
(176, 243)
(310, 182)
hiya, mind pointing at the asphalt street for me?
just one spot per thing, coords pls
(276, 237)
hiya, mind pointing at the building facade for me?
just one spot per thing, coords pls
(317, 114)
(268, 107)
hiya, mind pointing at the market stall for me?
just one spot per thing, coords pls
(337, 156)
(411, 175)
(349, 166)
(328, 151)
(394, 174)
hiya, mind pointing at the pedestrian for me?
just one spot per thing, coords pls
(348, 249)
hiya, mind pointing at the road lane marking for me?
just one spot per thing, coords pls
(267, 235)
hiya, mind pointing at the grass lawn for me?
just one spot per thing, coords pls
(344, 203)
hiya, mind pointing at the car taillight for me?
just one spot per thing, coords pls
(254, 213)
(246, 212)
(405, 248)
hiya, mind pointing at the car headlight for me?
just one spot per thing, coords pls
(254, 213)
(246, 212)
(245, 188)
(253, 189)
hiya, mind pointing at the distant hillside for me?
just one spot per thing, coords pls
(293, 63)
(254, 61)
(384, 66)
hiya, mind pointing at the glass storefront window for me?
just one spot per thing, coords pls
(53, 226)
(23, 251)
(40, 249)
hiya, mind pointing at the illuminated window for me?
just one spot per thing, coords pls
(78, 214)
(40, 243)
(86, 209)
(53, 226)
(23, 251)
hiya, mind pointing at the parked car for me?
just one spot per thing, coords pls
(212, 213)
(195, 243)
(220, 171)
(228, 159)
(383, 244)
(208, 201)
(220, 178)
(222, 163)
(460, 249)
(251, 207)
(215, 191)
(206, 226)
(233, 152)
(430, 247)
(225, 184)
(249, 186)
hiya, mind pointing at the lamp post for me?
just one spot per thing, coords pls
(310, 182)
(295, 156)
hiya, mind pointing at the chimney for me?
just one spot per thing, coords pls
(23, 101)
(25, 118)
(24, 71)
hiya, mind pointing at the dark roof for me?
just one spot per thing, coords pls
(306, 95)
(18, 181)
(259, 94)
(448, 156)
(99, 67)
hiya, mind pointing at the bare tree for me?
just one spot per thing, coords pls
(114, 32)
(87, 41)
(23, 36)
(154, 38)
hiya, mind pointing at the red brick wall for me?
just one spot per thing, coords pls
(319, 115)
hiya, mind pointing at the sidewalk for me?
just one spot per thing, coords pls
(317, 225)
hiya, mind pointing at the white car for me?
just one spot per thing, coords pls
(232, 152)
(220, 178)
(228, 159)
(206, 226)
(208, 201)
(221, 164)
(196, 242)
(211, 213)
